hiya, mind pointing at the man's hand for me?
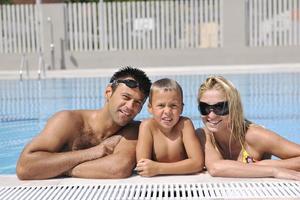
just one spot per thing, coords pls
(110, 143)
(103, 149)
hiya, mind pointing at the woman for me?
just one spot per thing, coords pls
(234, 146)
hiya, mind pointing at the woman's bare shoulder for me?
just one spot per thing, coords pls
(258, 136)
(256, 132)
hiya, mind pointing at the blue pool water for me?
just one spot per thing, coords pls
(272, 100)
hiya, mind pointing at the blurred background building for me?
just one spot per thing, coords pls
(74, 34)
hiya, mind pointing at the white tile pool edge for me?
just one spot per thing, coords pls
(12, 180)
(182, 70)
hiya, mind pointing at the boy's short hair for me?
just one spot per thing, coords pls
(144, 83)
(165, 84)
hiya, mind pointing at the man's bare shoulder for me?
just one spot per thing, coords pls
(71, 116)
(59, 130)
(134, 125)
(75, 114)
(130, 131)
(67, 120)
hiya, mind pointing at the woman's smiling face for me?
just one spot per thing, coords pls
(212, 121)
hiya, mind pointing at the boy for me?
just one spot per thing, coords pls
(167, 142)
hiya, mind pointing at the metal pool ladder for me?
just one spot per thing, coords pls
(25, 66)
(42, 68)
(213, 190)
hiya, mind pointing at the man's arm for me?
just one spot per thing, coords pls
(42, 158)
(117, 165)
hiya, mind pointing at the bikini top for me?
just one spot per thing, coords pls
(246, 157)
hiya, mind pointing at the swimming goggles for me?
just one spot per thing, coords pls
(220, 108)
(128, 82)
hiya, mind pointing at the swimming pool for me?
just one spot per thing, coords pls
(269, 99)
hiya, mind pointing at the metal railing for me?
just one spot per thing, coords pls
(160, 24)
(167, 26)
(273, 23)
(19, 28)
(138, 25)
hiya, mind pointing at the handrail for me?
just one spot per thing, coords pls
(41, 68)
(24, 63)
(52, 48)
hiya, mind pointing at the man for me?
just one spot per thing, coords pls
(91, 143)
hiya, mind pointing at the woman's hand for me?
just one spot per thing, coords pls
(283, 173)
(148, 168)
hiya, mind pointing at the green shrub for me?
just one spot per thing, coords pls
(5, 2)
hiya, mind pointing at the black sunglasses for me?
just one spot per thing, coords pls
(220, 108)
(128, 82)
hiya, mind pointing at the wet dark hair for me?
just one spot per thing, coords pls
(138, 75)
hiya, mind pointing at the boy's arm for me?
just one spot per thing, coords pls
(195, 160)
(192, 147)
(145, 141)
(194, 163)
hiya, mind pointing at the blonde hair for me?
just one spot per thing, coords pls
(165, 84)
(238, 124)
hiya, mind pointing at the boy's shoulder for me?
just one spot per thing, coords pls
(147, 122)
(184, 122)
